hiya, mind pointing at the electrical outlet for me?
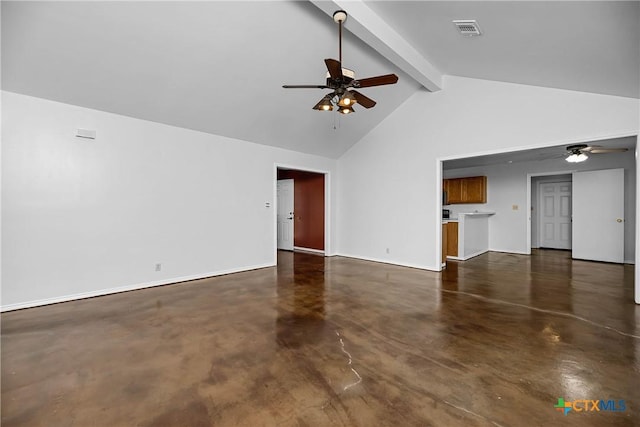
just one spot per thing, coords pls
(158, 267)
(387, 250)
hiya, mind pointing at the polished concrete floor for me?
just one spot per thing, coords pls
(493, 341)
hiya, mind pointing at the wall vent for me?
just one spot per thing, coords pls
(467, 27)
(86, 133)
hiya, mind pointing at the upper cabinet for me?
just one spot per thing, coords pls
(453, 190)
(465, 190)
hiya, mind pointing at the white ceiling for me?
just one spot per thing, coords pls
(218, 66)
(589, 46)
(557, 153)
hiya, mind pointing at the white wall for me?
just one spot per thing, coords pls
(507, 186)
(390, 180)
(84, 217)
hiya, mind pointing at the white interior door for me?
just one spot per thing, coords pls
(555, 215)
(285, 214)
(598, 215)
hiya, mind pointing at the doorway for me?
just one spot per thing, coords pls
(583, 212)
(301, 210)
(551, 208)
(284, 214)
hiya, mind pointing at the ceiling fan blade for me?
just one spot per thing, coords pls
(363, 100)
(604, 150)
(334, 67)
(305, 87)
(387, 79)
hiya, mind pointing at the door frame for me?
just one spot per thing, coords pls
(529, 221)
(328, 250)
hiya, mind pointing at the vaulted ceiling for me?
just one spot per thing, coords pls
(218, 67)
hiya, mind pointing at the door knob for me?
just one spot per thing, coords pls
(619, 220)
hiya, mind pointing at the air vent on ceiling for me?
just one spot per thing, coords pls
(467, 27)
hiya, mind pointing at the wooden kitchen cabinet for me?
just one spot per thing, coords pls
(452, 239)
(453, 187)
(475, 189)
(445, 227)
(466, 190)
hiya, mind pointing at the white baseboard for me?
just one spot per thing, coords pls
(626, 261)
(386, 261)
(315, 251)
(475, 254)
(102, 292)
(510, 251)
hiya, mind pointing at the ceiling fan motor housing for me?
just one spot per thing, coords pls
(339, 16)
(576, 147)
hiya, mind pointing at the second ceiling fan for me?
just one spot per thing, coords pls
(578, 153)
(342, 81)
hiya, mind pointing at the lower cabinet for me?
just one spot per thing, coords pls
(445, 227)
(452, 238)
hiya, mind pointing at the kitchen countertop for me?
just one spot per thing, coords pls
(455, 219)
(477, 213)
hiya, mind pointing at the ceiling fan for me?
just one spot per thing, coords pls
(342, 81)
(578, 153)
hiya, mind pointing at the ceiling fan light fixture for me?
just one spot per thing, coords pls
(347, 99)
(324, 104)
(576, 157)
(346, 110)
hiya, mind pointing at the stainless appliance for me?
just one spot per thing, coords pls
(446, 214)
